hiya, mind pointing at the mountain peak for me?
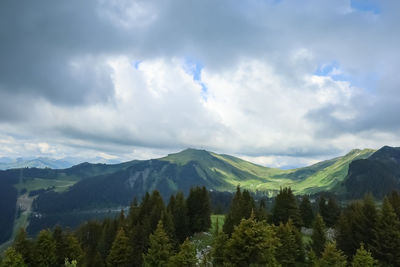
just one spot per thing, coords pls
(189, 154)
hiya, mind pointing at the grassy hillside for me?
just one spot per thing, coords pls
(232, 171)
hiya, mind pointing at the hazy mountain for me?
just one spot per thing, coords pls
(7, 163)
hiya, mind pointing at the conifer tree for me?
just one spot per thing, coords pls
(185, 257)
(24, 246)
(252, 242)
(291, 251)
(363, 258)
(199, 210)
(12, 259)
(180, 218)
(366, 226)
(234, 215)
(73, 250)
(261, 211)
(160, 249)
(394, 199)
(332, 257)
(387, 236)
(45, 249)
(219, 248)
(120, 251)
(286, 208)
(59, 239)
(332, 212)
(306, 212)
(318, 236)
(323, 208)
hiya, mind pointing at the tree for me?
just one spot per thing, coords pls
(363, 258)
(234, 215)
(73, 250)
(306, 212)
(219, 248)
(180, 217)
(286, 208)
(332, 257)
(185, 257)
(332, 212)
(24, 246)
(394, 199)
(12, 259)
(318, 236)
(72, 263)
(45, 249)
(387, 236)
(261, 211)
(199, 210)
(291, 251)
(160, 249)
(323, 208)
(120, 251)
(252, 242)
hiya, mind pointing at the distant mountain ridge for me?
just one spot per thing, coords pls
(7, 163)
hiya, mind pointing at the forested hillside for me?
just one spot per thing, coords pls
(292, 232)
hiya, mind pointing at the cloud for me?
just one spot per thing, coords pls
(282, 79)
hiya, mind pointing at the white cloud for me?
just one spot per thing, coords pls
(82, 92)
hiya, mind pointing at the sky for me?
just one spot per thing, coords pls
(280, 83)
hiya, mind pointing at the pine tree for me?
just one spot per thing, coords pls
(332, 212)
(323, 208)
(286, 208)
(306, 212)
(73, 250)
(318, 236)
(234, 215)
(180, 218)
(291, 251)
(219, 248)
(12, 259)
(24, 246)
(45, 249)
(363, 258)
(185, 257)
(367, 224)
(252, 242)
(394, 199)
(58, 237)
(332, 257)
(120, 251)
(160, 249)
(387, 236)
(199, 210)
(261, 211)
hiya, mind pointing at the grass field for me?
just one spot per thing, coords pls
(38, 183)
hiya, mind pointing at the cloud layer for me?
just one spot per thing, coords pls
(277, 82)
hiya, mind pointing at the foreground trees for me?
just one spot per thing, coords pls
(153, 234)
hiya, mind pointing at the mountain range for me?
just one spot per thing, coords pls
(87, 189)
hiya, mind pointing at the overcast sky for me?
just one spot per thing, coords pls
(276, 82)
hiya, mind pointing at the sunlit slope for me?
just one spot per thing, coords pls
(229, 171)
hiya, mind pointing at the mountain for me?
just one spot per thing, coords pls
(68, 196)
(379, 174)
(7, 163)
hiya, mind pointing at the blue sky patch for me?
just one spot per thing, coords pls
(194, 68)
(366, 6)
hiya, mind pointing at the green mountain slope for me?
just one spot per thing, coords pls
(86, 188)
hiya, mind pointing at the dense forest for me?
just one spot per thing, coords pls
(293, 232)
